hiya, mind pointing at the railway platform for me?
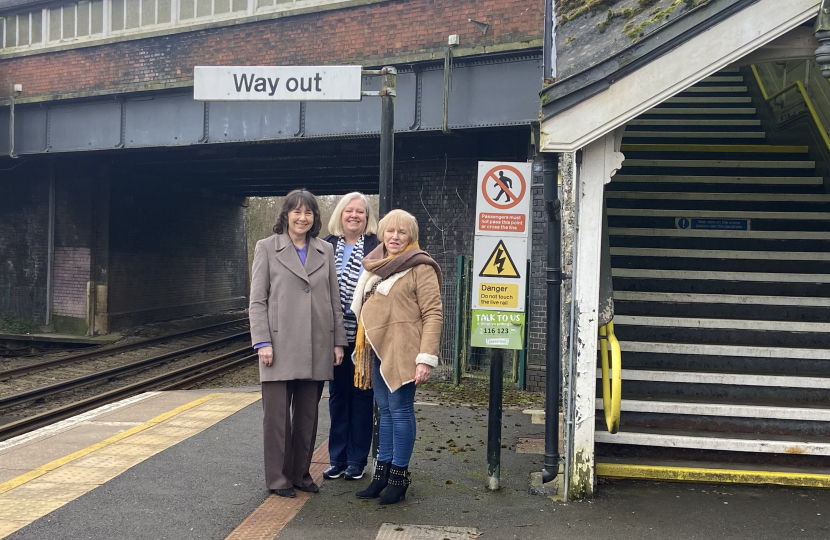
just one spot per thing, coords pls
(188, 465)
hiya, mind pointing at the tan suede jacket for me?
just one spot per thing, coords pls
(403, 321)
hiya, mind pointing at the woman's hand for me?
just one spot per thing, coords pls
(338, 355)
(422, 372)
(266, 355)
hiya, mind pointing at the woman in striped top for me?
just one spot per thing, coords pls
(352, 226)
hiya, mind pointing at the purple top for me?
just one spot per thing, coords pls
(302, 253)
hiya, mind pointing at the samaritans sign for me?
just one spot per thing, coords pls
(497, 329)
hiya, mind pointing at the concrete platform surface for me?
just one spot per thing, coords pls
(194, 471)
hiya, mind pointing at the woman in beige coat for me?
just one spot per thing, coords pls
(297, 329)
(397, 302)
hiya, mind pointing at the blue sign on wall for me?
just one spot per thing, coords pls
(712, 224)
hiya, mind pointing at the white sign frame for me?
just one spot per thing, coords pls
(277, 83)
(484, 247)
(489, 188)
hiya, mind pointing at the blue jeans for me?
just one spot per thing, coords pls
(350, 408)
(397, 420)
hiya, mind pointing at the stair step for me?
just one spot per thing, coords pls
(723, 79)
(731, 379)
(697, 134)
(720, 163)
(704, 233)
(694, 122)
(717, 148)
(714, 89)
(739, 299)
(811, 414)
(701, 111)
(721, 254)
(729, 99)
(647, 273)
(722, 324)
(737, 197)
(669, 179)
(737, 442)
(722, 214)
(709, 349)
(684, 470)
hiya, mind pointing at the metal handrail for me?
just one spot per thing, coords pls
(801, 90)
(611, 384)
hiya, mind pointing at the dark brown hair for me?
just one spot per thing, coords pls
(297, 199)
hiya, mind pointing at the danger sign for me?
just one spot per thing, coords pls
(503, 204)
(500, 264)
(498, 280)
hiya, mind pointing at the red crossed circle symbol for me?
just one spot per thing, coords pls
(491, 177)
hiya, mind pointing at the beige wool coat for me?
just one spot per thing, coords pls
(296, 308)
(403, 321)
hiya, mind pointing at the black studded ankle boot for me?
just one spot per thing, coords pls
(379, 481)
(398, 483)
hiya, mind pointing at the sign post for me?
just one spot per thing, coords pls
(499, 280)
(310, 83)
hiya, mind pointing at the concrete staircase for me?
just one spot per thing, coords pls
(720, 248)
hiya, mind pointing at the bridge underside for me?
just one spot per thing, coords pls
(148, 234)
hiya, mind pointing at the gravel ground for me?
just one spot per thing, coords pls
(245, 376)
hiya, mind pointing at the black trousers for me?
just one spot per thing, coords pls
(351, 410)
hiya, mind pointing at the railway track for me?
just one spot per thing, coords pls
(28, 368)
(26, 410)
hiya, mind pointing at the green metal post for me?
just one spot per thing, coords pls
(465, 324)
(459, 309)
(522, 383)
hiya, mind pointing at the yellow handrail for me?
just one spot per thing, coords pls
(611, 385)
(801, 90)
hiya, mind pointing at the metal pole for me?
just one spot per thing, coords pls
(50, 249)
(553, 365)
(11, 126)
(547, 48)
(387, 168)
(387, 137)
(494, 421)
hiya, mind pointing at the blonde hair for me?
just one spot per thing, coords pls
(400, 218)
(336, 223)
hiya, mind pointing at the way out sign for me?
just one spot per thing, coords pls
(283, 83)
(499, 273)
(503, 203)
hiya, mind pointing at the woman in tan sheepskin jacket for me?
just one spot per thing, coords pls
(397, 302)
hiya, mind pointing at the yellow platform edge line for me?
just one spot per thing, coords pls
(737, 148)
(712, 476)
(52, 465)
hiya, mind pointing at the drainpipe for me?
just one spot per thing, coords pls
(553, 360)
(16, 90)
(447, 81)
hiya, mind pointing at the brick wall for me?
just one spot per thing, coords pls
(441, 194)
(173, 254)
(24, 204)
(74, 195)
(71, 277)
(368, 35)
